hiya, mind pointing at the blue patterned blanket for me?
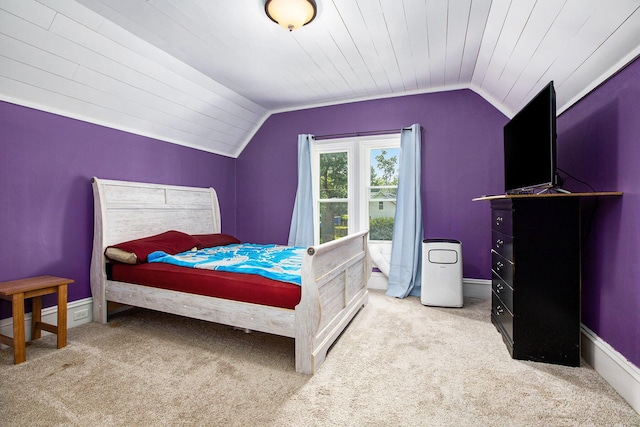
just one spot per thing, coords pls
(275, 262)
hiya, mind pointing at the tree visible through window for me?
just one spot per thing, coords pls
(334, 195)
(383, 190)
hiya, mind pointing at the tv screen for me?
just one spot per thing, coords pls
(530, 145)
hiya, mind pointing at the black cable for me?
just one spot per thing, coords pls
(579, 180)
(591, 215)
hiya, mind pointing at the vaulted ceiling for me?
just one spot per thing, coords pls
(208, 73)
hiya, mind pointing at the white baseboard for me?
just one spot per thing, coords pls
(378, 281)
(79, 312)
(619, 372)
(474, 288)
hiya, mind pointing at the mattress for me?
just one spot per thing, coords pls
(233, 286)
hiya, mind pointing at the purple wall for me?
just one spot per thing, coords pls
(46, 214)
(599, 142)
(462, 159)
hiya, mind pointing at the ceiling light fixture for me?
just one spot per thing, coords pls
(291, 14)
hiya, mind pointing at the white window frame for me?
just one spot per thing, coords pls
(359, 167)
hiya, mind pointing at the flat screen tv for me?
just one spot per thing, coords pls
(530, 146)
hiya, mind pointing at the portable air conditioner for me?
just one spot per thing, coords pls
(442, 273)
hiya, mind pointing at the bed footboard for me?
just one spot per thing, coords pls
(334, 289)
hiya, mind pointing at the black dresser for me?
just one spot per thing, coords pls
(536, 277)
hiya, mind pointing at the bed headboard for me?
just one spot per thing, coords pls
(126, 210)
(130, 210)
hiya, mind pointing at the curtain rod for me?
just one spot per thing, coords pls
(362, 133)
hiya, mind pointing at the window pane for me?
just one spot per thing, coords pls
(333, 220)
(383, 191)
(381, 220)
(384, 166)
(334, 175)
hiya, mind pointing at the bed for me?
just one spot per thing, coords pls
(334, 275)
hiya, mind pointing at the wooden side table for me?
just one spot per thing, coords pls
(17, 291)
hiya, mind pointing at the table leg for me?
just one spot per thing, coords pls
(19, 348)
(36, 318)
(62, 316)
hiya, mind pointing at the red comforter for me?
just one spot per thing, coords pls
(233, 286)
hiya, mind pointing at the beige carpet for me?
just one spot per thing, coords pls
(398, 364)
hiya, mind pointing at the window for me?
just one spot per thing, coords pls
(355, 186)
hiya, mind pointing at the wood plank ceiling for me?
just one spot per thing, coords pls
(207, 73)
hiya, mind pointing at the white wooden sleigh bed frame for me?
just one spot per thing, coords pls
(334, 274)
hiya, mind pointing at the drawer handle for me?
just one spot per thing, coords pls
(499, 310)
(499, 288)
(499, 266)
(499, 220)
(499, 243)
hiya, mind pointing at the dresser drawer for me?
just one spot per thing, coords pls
(502, 291)
(502, 316)
(502, 244)
(502, 267)
(501, 221)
